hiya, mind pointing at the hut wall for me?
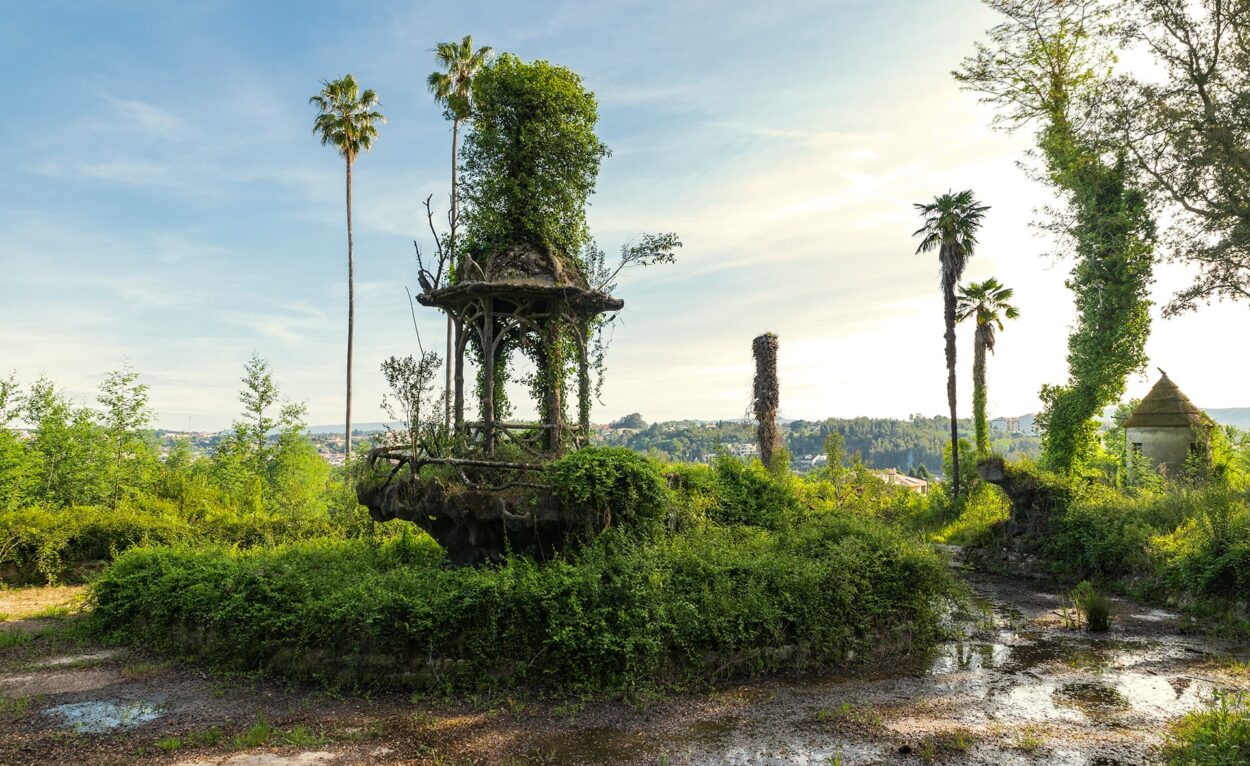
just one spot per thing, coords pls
(1163, 445)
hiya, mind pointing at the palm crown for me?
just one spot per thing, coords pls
(950, 223)
(987, 303)
(452, 86)
(347, 117)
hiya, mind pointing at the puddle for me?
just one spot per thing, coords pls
(594, 745)
(844, 753)
(101, 717)
(1093, 698)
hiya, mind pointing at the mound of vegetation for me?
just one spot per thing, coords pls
(809, 587)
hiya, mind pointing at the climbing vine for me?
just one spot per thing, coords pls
(1048, 64)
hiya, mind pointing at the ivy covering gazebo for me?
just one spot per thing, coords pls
(530, 299)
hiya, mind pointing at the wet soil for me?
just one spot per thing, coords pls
(1017, 687)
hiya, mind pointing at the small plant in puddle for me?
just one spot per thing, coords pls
(169, 744)
(1087, 608)
(1029, 740)
(259, 734)
(1218, 735)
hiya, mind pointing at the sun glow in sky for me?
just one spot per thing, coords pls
(164, 201)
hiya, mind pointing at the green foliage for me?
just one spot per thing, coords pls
(632, 420)
(531, 158)
(1093, 608)
(1218, 735)
(620, 485)
(1048, 64)
(347, 117)
(702, 604)
(90, 484)
(747, 493)
(986, 304)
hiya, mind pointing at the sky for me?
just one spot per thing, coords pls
(164, 202)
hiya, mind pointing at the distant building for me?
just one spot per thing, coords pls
(1005, 425)
(892, 476)
(1166, 428)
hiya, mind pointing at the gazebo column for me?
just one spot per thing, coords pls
(488, 376)
(461, 338)
(583, 381)
(551, 375)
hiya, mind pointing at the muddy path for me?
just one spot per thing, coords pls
(1017, 687)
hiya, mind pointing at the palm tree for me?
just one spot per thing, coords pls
(347, 118)
(950, 227)
(453, 88)
(987, 303)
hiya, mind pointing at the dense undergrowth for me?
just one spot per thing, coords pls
(756, 573)
(1185, 543)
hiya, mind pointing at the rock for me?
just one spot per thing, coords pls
(477, 526)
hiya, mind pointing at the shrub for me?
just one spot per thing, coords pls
(668, 609)
(617, 483)
(1218, 735)
(746, 493)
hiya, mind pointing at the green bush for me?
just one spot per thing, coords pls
(747, 493)
(617, 483)
(41, 545)
(669, 609)
(1218, 735)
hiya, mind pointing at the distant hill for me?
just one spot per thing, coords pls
(1231, 416)
(368, 428)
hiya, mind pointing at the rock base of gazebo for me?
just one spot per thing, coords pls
(477, 526)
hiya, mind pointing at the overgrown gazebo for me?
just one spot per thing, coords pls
(526, 298)
(483, 494)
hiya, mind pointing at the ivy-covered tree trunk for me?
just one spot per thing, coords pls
(1114, 235)
(979, 395)
(767, 396)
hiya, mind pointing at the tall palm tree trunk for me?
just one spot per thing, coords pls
(351, 305)
(451, 262)
(979, 396)
(949, 296)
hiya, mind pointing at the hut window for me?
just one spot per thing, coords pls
(1137, 447)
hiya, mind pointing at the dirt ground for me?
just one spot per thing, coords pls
(1018, 688)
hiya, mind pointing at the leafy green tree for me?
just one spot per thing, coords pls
(986, 304)
(1047, 64)
(632, 420)
(70, 450)
(951, 223)
(17, 471)
(531, 158)
(268, 462)
(1187, 130)
(453, 88)
(125, 416)
(412, 388)
(296, 475)
(347, 119)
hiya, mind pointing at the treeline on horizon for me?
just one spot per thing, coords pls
(914, 445)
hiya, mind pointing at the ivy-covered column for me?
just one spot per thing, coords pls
(583, 380)
(552, 373)
(488, 376)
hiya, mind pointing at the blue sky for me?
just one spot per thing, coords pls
(165, 202)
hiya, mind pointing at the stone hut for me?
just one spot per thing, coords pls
(1167, 428)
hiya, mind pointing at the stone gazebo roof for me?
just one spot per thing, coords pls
(1166, 406)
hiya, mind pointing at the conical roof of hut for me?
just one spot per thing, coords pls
(1166, 405)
